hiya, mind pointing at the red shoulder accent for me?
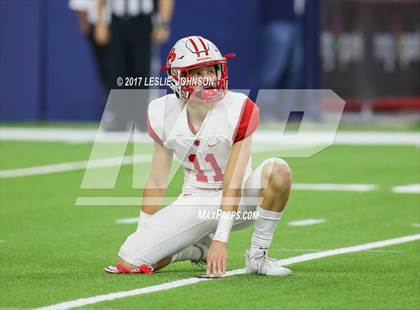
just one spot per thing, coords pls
(152, 133)
(248, 121)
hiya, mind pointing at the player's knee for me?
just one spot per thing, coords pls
(280, 175)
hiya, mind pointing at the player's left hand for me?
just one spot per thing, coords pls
(216, 259)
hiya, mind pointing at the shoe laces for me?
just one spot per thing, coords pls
(262, 262)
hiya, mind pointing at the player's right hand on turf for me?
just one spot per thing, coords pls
(217, 259)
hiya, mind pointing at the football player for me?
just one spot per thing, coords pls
(209, 129)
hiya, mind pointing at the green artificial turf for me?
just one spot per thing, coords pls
(53, 251)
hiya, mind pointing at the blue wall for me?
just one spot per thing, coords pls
(232, 25)
(19, 60)
(46, 66)
(72, 83)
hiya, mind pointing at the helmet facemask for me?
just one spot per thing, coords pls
(209, 90)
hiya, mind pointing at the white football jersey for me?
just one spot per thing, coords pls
(203, 154)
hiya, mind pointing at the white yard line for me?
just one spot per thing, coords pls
(335, 187)
(407, 189)
(129, 220)
(179, 283)
(108, 201)
(317, 250)
(385, 251)
(306, 222)
(416, 225)
(75, 165)
(135, 201)
(70, 135)
(266, 137)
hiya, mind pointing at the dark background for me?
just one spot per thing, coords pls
(46, 66)
(47, 71)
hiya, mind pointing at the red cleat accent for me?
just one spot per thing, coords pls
(122, 269)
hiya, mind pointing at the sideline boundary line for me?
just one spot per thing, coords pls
(189, 281)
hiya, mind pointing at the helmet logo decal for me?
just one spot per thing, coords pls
(193, 46)
(206, 48)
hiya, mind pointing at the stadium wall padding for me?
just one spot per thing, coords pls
(19, 60)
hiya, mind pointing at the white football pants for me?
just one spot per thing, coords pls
(178, 226)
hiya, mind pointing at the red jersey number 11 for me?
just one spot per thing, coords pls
(209, 158)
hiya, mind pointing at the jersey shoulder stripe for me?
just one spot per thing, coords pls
(248, 121)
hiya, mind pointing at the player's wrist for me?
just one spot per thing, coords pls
(224, 227)
(220, 243)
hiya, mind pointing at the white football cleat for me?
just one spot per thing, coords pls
(264, 265)
(112, 269)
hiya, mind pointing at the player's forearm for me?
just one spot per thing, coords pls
(230, 199)
(153, 195)
(232, 183)
(234, 175)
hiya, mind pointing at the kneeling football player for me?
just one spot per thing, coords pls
(210, 131)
